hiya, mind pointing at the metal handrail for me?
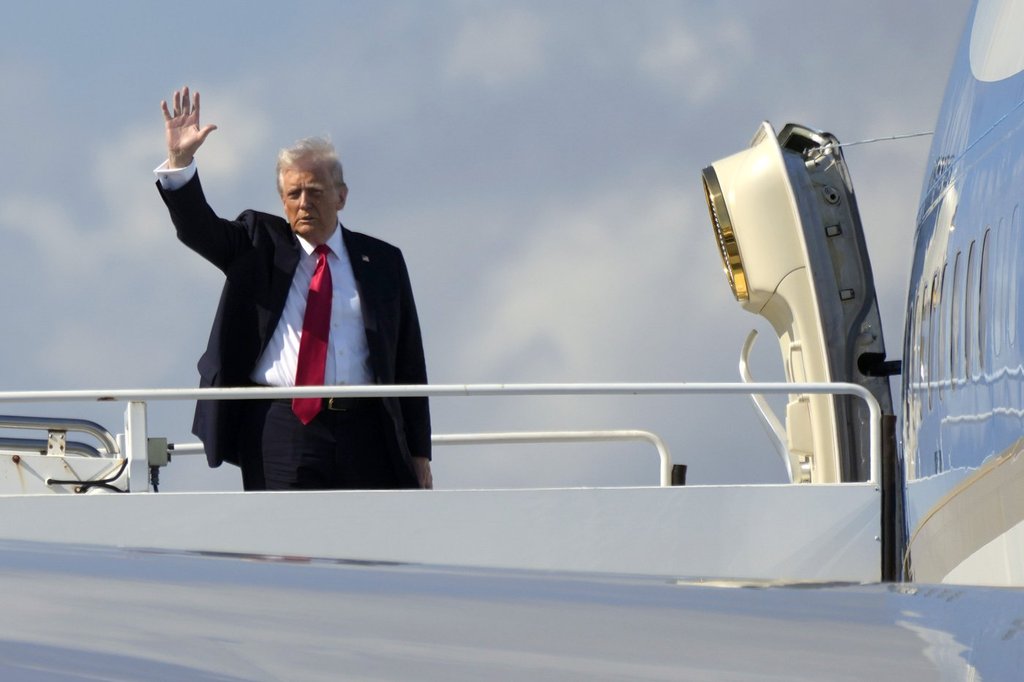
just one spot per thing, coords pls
(665, 458)
(378, 391)
(39, 446)
(59, 424)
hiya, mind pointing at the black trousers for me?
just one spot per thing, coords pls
(343, 449)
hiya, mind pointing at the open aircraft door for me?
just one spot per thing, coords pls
(789, 233)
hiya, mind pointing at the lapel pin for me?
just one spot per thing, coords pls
(366, 259)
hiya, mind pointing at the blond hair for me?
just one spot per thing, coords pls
(316, 151)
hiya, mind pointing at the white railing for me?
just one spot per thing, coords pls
(57, 430)
(524, 437)
(136, 441)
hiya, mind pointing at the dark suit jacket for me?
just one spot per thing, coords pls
(258, 254)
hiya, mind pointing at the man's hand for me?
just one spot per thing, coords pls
(184, 136)
(422, 467)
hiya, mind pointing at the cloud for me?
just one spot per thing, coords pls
(119, 236)
(696, 60)
(243, 138)
(44, 223)
(128, 216)
(572, 302)
(498, 49)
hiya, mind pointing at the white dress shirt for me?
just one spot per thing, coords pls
(348, 355)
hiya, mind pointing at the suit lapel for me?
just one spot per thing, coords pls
(365, 273)
(286, 260)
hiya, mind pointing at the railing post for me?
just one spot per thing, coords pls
(135, 446)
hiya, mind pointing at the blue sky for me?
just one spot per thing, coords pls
(537, 162)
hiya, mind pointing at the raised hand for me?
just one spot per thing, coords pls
(184, 135)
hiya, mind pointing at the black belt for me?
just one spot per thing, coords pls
(335, 404)
(343, 404)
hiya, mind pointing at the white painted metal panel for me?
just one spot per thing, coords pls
(78, 613)
(21, 473)
(771, 532)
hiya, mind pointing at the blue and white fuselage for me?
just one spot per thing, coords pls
(963, 373)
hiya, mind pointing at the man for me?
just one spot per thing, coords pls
(360, 326)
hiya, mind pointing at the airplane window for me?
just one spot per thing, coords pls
(1014, 269)
(984, 305)
(918, 339)
(955, 319)
(943, 324)
(997, 283)
(970, 332)
(926, 345)
(925, 334)
(910, 356)
(919, 305)
(933, 313)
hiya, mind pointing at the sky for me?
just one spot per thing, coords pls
(537, 162)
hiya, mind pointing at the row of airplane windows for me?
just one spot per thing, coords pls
(965, 315)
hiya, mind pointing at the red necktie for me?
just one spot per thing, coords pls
(316, 327)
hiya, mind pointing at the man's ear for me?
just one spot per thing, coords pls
(342, 196)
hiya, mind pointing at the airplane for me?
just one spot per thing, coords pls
(893, 552)
(810, 276)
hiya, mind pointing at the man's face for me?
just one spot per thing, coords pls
(311, 201)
